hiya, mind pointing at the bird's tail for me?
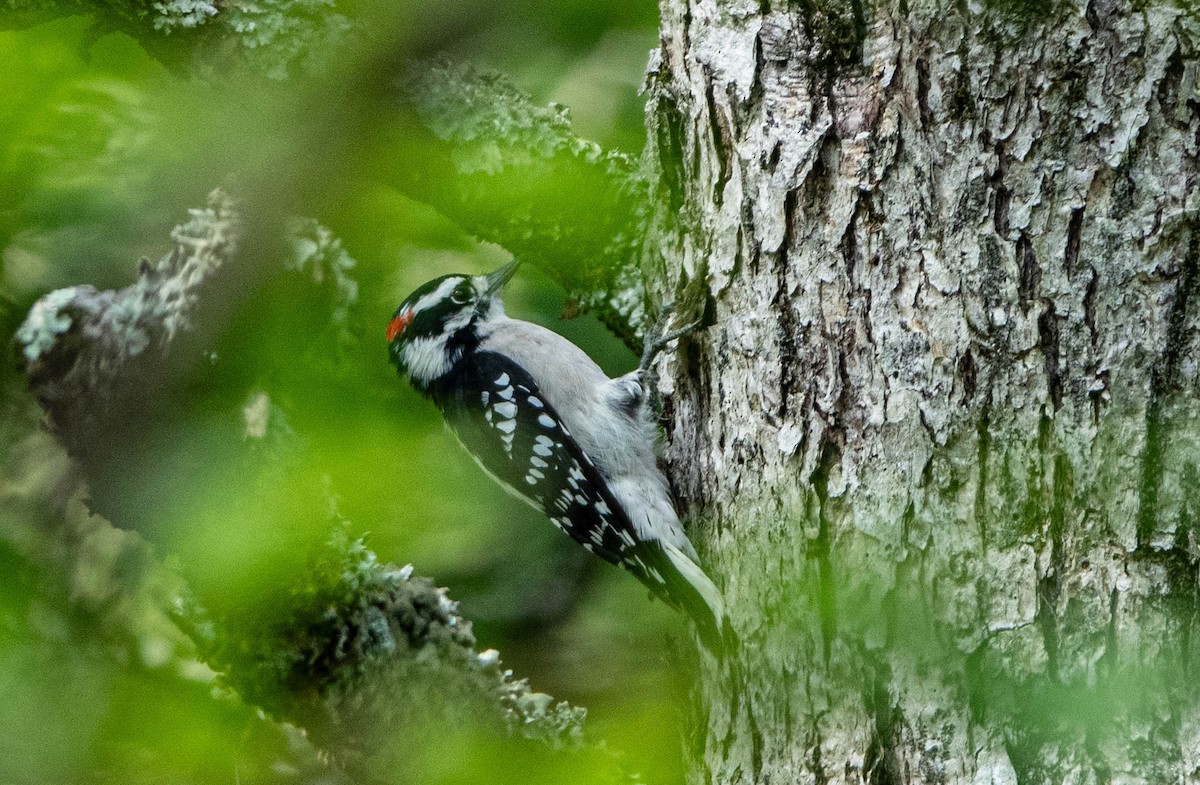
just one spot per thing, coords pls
(696, 594)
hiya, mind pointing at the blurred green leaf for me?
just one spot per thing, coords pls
(106, 139)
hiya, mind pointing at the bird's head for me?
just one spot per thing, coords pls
(439, 321)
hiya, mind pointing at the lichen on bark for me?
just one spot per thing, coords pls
(926, 439)
(277, 38)
(81, 346)
(360, 653)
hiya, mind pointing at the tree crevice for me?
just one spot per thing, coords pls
(1164, 381)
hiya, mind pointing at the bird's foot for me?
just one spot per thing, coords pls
(655, 344)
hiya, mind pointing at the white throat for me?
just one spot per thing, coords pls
(426, 358)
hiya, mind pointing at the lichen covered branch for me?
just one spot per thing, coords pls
(362, 653)
(276, 38)
(356, 652)
(516, 174)
(97, 360)
(464, 140)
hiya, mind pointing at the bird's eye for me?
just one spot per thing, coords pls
(463, 293)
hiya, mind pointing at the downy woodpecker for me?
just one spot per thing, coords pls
(544, 421)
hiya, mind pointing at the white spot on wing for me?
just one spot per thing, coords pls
(542, 450)
(546, 421)
(508, 426)
(502, 380)
(506, 409)
(535, 402)
(506, 393)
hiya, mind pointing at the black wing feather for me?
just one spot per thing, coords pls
(502, 417)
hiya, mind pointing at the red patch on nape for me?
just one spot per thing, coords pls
(398, 324)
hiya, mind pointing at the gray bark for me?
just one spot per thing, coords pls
(939, 443)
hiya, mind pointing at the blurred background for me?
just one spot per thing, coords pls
(107, 138)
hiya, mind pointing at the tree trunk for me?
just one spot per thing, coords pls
(940, 440)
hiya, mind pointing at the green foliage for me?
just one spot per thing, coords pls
(518, 175)
(76, 132)
(331, 649)
(113, 125)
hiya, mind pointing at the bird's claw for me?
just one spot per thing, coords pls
(654, 346)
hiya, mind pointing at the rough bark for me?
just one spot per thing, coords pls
(940, 440)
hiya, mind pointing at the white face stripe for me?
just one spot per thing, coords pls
(425, 357)
(493, 307)
(479, 282)
(437, 295)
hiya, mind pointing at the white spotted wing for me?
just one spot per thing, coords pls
(500, 415)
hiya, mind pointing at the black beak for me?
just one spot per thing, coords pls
(497, 278)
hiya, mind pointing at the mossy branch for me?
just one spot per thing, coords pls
(362, 653)
(516, 174)
(358, 651)
(465, 140)
(276, 38)
(100, 360)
